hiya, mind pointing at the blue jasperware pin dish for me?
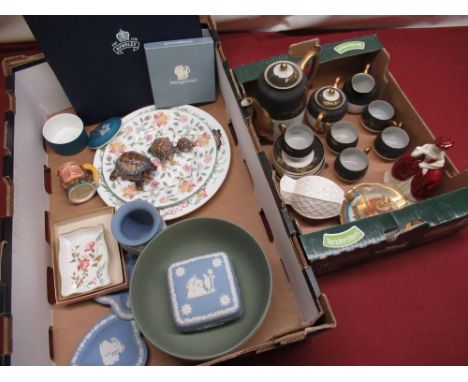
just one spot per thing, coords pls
(104, 133)
(111, 342)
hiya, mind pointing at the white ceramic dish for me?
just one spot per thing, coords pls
(83, 260)
(313, 197)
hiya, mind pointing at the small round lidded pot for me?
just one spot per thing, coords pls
(65, 134)
(326, 106)
(78, 181)
(104, 133)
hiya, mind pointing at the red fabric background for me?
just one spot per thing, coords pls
(410, 308)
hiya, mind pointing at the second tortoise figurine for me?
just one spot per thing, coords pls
(134, 167)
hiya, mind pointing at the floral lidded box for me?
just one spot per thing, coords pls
(87, 261)
(83, 260)
(204, 292)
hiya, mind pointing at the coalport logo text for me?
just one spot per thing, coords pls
(124, 42)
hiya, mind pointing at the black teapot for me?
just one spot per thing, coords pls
(282, 93)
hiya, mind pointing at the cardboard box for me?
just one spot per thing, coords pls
(298, 308)
(420, 223)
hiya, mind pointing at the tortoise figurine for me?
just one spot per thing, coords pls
(217, 135)
(163, 149)
(184, 145)
(134, 167)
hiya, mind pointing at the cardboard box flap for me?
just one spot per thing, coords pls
(329, 52)
(386, 227)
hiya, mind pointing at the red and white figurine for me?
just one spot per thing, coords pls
(417, 174)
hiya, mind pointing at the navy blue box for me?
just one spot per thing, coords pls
(100, 60)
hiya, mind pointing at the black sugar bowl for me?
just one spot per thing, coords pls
(326, 106)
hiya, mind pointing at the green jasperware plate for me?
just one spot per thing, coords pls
(190, 238)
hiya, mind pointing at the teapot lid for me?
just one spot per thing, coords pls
(283, 75)
(330, 97)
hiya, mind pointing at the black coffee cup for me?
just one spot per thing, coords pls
(351, 164)
(342, 135)
(360, 89)
(298, 141)
(378, 115)
(391, 143)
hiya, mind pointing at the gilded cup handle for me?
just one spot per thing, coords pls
(397, 124)
(319, 123)
(313, 55)
(282, 127)
(88, 167)
(367, 68)
(337, 82)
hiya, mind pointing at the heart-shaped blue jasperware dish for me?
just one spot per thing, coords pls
(120, 301)
(111, 342)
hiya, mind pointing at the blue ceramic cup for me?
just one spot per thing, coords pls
(65, 134)
(134, 224)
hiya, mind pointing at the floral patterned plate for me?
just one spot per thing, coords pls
(83, 260)
(174, 180)
(181, 186)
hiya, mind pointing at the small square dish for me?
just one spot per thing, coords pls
(83, 260)
(203, 292)
(86, 259)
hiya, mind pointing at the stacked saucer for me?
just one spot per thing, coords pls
(310, 164)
